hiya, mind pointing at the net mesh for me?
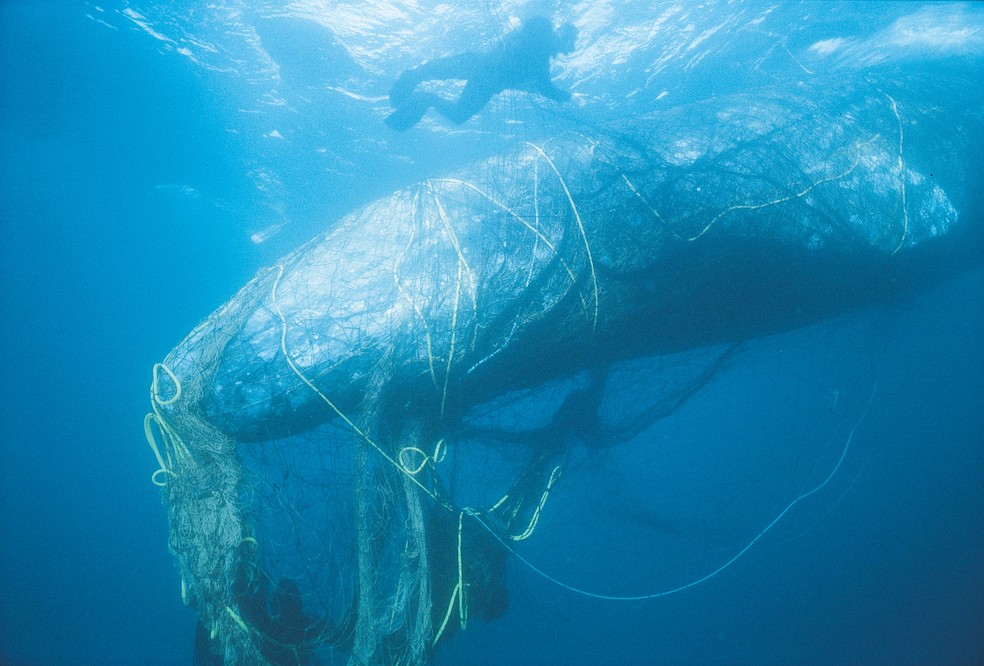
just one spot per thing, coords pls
(323, 437)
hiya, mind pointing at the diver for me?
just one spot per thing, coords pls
(519, 61)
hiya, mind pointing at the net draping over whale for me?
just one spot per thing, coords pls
(314, 433)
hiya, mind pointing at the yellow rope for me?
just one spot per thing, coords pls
(440, 450)
(516, 216)
(164, 468)
(174, 449)
(447, 615)
(782, 200)
(462, 606)
(580, 228)
(403, 292)
(155, 382)
(237, 619)
(338, 412)
(528, 532)
(499, 503)
(454, 329)
(901, 163)
(458, 593)
(462, 267)
(462, 261)
(405, 464)
(643, 199)
(693, 583)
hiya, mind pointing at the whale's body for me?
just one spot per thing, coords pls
(357, 358)
(717, 222)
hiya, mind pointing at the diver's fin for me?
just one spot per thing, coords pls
(407, 115)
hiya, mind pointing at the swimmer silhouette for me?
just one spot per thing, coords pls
(519, 61)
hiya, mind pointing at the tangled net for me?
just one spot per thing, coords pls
(311, 433)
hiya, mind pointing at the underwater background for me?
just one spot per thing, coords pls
(156, 155)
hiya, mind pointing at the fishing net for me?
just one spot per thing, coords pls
(348, 447)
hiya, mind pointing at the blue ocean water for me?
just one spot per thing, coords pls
(155, 157)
